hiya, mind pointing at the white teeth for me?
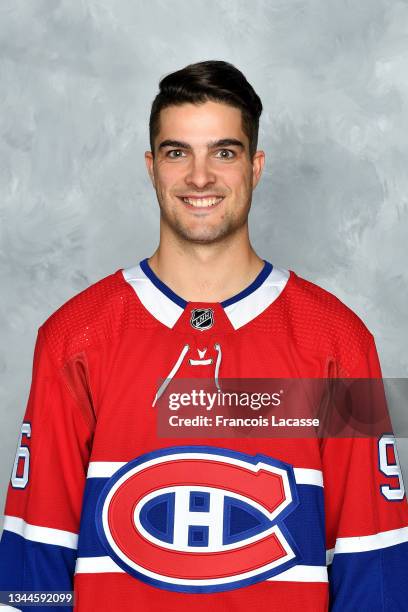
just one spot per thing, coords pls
(202, 202)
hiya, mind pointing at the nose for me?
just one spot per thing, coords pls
(199, 173)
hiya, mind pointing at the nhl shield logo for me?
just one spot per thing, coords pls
(202, 318)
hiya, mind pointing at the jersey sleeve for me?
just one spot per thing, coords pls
(43, 505)
(366, 516)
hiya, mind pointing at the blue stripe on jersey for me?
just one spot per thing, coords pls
(305, 523)
(160, 285)
(373, 580)
(262, 276)
(89, 544)
(46, 567)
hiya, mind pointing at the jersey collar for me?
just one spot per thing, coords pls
(166, 306)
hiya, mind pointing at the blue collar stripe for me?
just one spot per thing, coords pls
(160, 285)
(262, 276)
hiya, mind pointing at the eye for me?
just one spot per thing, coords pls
(174, 151)
(225, 154)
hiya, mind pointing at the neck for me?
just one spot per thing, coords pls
(207, 272)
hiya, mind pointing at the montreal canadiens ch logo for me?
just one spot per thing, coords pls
(199, 519)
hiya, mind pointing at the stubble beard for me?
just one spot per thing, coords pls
(205, 233)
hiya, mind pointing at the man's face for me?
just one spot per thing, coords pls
(202, 172)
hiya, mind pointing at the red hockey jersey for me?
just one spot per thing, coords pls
(101, 504)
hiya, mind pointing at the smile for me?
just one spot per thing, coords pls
(202, 202)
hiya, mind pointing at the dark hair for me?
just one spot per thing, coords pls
(213, 80)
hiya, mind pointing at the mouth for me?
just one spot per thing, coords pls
(201, 202)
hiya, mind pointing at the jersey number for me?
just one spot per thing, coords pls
(22, 461)
(390, 467)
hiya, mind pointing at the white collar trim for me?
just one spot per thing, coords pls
(242, 312)
(239, 313)
(155, 301)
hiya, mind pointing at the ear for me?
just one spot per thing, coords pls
(149, 165)
(257, 166)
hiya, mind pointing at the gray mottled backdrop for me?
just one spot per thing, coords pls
(77, 80)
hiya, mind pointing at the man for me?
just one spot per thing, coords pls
(152, 523)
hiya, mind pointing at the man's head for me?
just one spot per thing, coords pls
(203, 161)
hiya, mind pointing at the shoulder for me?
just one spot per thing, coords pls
(322, 307)
(320, 322)
(93, 317)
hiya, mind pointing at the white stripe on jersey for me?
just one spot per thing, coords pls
(303, 573)
(97, 565)
(45, 535)
(106, 469)
(308, 476)
(357, 544)
(299, 573)
(103, 469)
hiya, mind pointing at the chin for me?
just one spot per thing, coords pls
(204, 236)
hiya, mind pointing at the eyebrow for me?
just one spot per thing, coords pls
(224, 142)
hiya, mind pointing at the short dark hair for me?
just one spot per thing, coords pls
(213, 80)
